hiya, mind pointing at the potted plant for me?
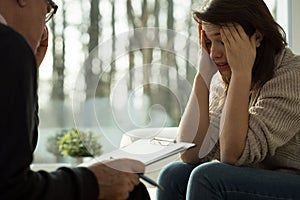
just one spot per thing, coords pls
(77, 144)
(53, 146)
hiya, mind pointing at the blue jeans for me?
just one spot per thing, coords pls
(216, 180)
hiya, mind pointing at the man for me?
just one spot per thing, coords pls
(23, 44)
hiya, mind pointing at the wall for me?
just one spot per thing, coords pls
(295, 25)
(287, 16)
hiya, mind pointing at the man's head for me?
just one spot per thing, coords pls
(28, 17)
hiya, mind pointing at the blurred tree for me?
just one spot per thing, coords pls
(113, 47)
(58, 52)
(57, 27)
(190, 71)
(99, 21)
(94, 31)
(94, 71)
(131, 24)
(146, 52)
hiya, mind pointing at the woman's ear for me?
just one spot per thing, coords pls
(259, 38)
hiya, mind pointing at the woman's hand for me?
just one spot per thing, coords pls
(240, 53)
(240, 49)
(207, 67)
(201, 37)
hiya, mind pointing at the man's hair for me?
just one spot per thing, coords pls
(252, 15)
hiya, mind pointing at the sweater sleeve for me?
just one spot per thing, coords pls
(18, 129)
(274, 114)
(63, 184)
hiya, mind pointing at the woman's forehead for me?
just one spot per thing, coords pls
(211, 29)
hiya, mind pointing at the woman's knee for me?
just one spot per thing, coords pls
(177, 172)
(205, 181)
(207, 172)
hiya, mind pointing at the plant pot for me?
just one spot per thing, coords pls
(61, 159)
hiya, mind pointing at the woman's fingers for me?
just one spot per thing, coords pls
(241, 31)
(225, 37)
(240, 48)
(203, 41)
(200, 34)
(228, 32)
(234, 32)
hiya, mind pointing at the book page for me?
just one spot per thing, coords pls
(146, 151)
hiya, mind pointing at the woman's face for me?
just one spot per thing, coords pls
(216, 49)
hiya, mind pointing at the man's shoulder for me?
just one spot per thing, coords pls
(16, 56)
(8, 32)
(11, 39)
(14, 48)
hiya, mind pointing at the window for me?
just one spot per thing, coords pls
(286, 13)
(74, 34)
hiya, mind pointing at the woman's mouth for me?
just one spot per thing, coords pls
(223, 67)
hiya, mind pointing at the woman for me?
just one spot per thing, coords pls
(252, 105)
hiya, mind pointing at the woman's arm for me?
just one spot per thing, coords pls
(241, 53)
(195, 121)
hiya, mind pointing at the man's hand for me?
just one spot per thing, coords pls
(42, 48)
(117, 178)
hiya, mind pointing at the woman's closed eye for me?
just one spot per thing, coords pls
(219, 41)
(208, 43)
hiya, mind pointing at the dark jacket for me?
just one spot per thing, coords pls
(18, 129)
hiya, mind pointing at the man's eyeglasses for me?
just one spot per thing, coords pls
(51, 10)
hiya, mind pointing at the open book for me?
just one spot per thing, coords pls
(148, 151)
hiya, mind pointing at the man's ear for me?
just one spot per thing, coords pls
(22, 3)
(259, 38)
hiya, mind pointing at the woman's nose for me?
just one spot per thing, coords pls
(216, 52)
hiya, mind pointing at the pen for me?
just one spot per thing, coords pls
(149, 180)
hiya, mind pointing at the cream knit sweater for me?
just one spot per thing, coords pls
(273, 140)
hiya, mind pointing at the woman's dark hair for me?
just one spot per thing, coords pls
(252, 15)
